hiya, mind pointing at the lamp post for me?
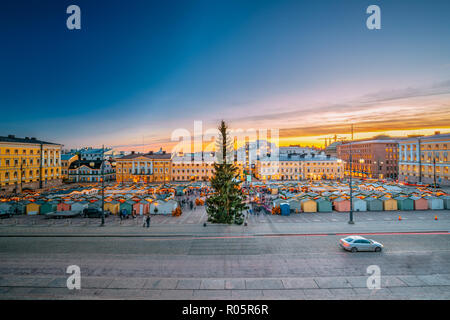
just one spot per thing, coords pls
(350, 183)
(434, 170)
(17, 184)
(21, 173)
(103, 188)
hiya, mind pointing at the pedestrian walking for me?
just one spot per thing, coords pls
(144, 218)
(148, 221)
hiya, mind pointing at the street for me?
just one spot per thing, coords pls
(228, 262)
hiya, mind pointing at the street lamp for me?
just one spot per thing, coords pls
(434, 170)
(103, 187)
(350, 182)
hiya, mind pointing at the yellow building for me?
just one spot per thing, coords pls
(28, 163)
(331, 168)
(297, 168)
(192, 170)
(425, 159)
(145, 168)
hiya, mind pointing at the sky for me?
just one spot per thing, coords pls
(139, 70)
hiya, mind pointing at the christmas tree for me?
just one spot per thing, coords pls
(227, 202)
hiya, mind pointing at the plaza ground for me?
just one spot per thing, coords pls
(273, 257)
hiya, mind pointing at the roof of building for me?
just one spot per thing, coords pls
(90, 150)
(302, 157)
(434, 136)
(333, 146)
(93, 164)
(163, 156)
(12, 138)
(372, 141)
(67, 156)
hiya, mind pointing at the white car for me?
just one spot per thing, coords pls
(358, 243)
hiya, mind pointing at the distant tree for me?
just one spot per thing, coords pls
(227, 202)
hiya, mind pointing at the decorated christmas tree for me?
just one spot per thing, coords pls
(227, 202)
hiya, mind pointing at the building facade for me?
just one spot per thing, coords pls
(376, 159)
(28, 163)
(90, 171)
(145, 168)
(425, 159)
(300, 167)
(192, 171)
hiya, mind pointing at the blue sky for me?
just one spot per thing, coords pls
(139, 69)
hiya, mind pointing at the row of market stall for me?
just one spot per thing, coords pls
(134, 206)
(136, 199)
(371, 203)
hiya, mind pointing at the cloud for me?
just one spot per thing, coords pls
(399, 109)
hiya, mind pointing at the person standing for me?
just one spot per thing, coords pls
(148, 221)
(144, 219)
